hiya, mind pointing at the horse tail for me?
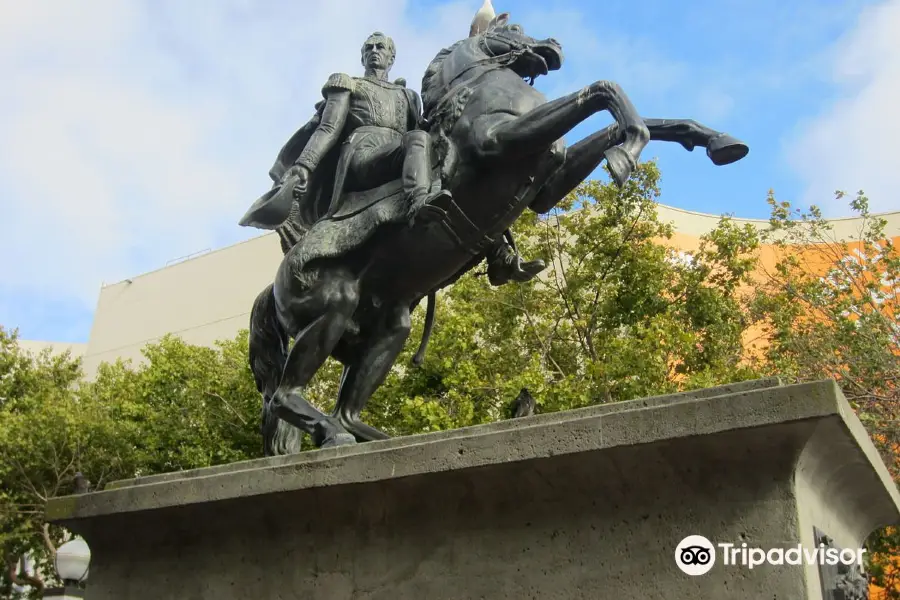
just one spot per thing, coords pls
(426, 331)
(268, 354)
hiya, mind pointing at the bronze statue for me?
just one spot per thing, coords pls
(366, 132)
(373, 242)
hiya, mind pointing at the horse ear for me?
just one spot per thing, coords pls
(499, 21)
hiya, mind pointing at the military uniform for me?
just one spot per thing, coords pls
(377, 137)
(381, 138)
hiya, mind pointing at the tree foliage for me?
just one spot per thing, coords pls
(185, 407)
(43, 443)
(830, 310)
(827, 307)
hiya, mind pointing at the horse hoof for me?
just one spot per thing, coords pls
(329, 433)
(620, 163)
(338, 439)
(724, 150)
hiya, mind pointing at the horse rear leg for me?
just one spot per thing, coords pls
(538, 128)
(583, 157)
(368, 370)
(331, 301)
(268, 354)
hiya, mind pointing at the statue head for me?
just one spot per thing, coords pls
(538, 57)
(378, 53)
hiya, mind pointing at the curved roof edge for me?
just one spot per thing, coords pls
(884, 215)
(697, 223)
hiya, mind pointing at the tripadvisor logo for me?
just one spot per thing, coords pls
(696, 555)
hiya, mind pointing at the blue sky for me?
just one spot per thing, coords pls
(135, 132)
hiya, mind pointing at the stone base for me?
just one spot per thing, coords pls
(63, 593)
(589, 503)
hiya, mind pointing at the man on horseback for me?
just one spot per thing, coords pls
(366, 132)
(378, 127)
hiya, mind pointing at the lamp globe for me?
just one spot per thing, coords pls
(73, 560)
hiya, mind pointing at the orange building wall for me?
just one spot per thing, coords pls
(819, 263)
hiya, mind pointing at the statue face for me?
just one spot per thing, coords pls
(377, 53)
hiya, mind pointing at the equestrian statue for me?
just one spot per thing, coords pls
(385, 197)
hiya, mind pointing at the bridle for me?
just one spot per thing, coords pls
(500, 61)
(517, 50)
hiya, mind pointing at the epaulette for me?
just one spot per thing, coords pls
(338, 82)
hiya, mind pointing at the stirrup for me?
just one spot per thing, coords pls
(428, 212)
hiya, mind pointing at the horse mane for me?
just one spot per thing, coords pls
(428, 82)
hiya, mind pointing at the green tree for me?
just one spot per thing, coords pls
(827, 308)
(183, 407)
(830, 310)
(47, 435)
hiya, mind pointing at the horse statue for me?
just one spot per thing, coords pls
(347, 287)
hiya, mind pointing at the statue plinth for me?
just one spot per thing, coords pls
(589, 503)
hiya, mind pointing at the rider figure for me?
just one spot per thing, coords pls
(379, 124)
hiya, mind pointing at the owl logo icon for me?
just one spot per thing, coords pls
(695, 555)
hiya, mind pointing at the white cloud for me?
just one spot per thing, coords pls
(852, 145)
(137, 132)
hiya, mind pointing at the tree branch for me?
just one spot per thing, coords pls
(20, 577)
(48, 541)
(228, 406)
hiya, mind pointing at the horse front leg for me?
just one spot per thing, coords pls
(530, 133)
(721, 148)
(583, 157)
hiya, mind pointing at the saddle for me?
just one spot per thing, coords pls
(273, 208)
(353, 203)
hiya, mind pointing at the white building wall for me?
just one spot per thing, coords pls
(202, 300)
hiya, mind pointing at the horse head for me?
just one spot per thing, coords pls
(529, 58)
(501, 45)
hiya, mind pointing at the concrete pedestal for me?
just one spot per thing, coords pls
(63, 593)
(587, 504)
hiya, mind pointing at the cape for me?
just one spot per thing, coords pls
(277, 208)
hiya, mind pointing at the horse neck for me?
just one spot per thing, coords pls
(459, 66)
(460, 62)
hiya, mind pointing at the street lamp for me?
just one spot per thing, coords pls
(72, 562)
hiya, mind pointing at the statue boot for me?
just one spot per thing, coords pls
(505, 265)
(416, 178)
